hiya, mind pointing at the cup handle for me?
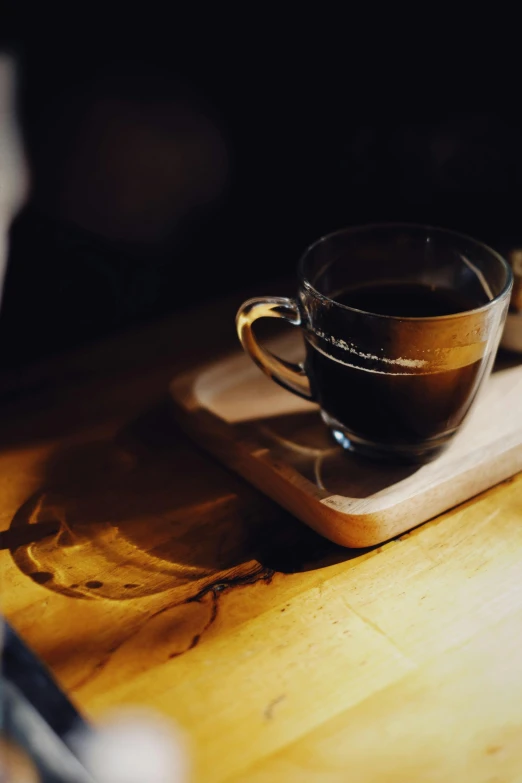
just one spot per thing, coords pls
(287, 374)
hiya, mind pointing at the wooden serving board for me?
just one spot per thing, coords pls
(278, 443)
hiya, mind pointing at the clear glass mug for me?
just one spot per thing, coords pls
(401, 325)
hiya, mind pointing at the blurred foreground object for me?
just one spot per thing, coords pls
(44, 739)
(15, 767)
(36, 718)
(133, 747)
(13, 172)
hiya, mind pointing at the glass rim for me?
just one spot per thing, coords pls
(367, 227)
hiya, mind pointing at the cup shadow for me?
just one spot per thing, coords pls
(301, 440)
(145, 513)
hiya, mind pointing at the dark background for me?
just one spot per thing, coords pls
(178, 157)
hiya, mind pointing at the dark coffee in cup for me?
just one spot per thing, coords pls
(396, 408)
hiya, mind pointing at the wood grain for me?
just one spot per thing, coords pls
(162, 580)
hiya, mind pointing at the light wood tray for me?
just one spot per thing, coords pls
(279, 443)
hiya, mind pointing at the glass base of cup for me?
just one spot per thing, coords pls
(418, 453)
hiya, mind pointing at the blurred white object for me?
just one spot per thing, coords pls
(132, 747)
(14, 178)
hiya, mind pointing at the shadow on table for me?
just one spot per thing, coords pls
(147, 513)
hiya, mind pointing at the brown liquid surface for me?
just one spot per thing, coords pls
(396, 409)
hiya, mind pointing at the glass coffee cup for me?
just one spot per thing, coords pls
(401, 325)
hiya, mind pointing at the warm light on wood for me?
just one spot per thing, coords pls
(163, 580)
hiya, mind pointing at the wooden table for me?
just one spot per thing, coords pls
(144, 573)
